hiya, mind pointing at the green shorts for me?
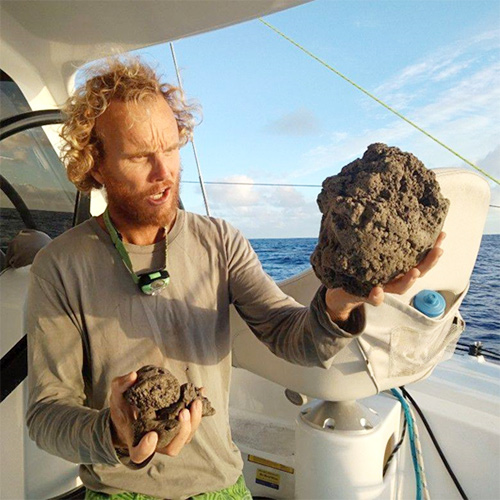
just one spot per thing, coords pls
(237, 491)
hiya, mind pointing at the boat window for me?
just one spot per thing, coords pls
(32, 172)
(31, 166)
(12, 100)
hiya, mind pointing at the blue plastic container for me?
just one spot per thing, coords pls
(430, 303)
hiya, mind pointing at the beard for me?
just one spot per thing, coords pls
(134, 208)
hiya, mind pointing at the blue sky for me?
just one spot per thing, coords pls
(273, 115)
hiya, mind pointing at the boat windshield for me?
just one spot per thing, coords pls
(32, 170)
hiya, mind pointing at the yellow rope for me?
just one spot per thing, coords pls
(378, 100)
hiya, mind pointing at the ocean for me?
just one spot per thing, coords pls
(282, 258)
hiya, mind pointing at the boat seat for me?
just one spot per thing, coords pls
(24, 246)
(399, 345)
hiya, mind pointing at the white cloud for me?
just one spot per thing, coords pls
(444, 63)
(234, 194)
(262, 211)
(286, 197)
(451, 70)
(461, 111)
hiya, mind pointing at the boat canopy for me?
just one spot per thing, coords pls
(53, 38)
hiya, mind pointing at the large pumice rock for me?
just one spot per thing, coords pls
(381, 215)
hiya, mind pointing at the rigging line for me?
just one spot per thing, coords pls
(396, 448)
(255, 184)
(277, 184)
(392, 110)
(407, 395)
(200, 177)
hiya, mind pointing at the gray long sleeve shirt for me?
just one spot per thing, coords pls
(87, 323)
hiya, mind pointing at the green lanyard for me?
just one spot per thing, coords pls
(149, 283)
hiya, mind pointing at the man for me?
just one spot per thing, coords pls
(90, 326)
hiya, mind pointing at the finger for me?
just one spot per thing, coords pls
(376, 296)
(430, 260)
(440, 239)
(432, 257)
(120, 384)
(196, 410)
(401, 285)
(203, 392)
(145, 448)
(176, 445)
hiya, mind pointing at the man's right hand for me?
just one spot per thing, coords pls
(123, 416)
(340, 304)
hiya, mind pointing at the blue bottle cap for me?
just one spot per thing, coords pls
(430, 303)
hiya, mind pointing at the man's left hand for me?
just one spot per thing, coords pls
(340, 304)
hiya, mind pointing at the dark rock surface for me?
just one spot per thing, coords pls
(381, 215)
(154, 388)
(159, 398)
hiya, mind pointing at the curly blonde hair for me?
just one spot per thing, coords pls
(126, 79)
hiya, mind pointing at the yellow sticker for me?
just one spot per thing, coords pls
(268, 463)
(267, 478)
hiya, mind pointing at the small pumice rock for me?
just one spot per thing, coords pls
(381, 215)
(159, 398)
(154, 388)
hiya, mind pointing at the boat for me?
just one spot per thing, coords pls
(306, 433)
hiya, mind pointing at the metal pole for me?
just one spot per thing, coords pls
(200, 177)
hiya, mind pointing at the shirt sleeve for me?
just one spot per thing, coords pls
(57, 418)
(298, 334)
